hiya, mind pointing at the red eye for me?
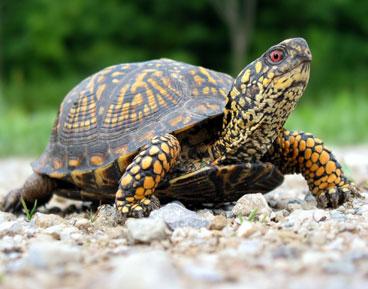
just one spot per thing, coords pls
(276, 55)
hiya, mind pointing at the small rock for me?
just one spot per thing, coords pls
(218, 222)
(107, 216)
(6, 217)
(248, 203)
(177, 216)
(46, 220)
(62, 232)
(11, 228)
(45, 255)
(246, 229)
(83, 224)
(147, 269)
(146, 230)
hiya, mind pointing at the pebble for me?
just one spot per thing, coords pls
(46, 220)
(144, 270)
(106, 216)
(146, 230)
(46, 255)
(218, 222)
(246, 229)
(250, 202)
(177, 216)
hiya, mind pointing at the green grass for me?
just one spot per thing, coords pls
(24, 134)
(339, 120)
(342, 120)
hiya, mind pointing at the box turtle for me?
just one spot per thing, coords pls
(142, 132)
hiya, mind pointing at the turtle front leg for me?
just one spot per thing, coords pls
(134, 197)
(36, 187)
(299, 152)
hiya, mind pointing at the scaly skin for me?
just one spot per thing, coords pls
(142, 176)
(299, 152)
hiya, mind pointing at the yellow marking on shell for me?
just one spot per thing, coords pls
(175, 121)
(96, 160)
(330, 167)
(57, 175)
(139, 82)
(146, 162)
(320, 171)
(149, 182)
(266, 82)
(245, 77)
(157, 167)
(324, 157)
(130, 199)
(74, 162)
(308, 164)
(137, 100)
(165, 148)
(258, 66)
(206, 90)
(57, 164)
(100, 90)
(198, 80)
(126, 180)
(207, 74)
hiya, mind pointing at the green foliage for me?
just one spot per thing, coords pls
(29, 213)
(253, 215)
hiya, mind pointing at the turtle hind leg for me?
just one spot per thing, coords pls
(36, 187)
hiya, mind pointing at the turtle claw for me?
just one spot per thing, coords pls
(336, 196)
(11, 202)
(140, 209)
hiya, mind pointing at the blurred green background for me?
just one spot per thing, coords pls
(48, 46)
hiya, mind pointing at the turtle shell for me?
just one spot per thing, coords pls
(121, 108)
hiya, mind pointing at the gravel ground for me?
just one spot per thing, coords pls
(280, 240)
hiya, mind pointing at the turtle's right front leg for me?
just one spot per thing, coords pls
(36, 187)
(135, 195)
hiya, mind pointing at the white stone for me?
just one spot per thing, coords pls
(52, 254)
(46, 220)
(144, 270)
(246, 229)
(250, 202)
(146, 229)
(176, 215)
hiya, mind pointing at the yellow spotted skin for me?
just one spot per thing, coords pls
(299, 152)
(143, 175)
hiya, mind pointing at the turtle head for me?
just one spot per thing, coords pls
(263, 95)
(278, 76)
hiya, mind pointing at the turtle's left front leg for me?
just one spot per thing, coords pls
(299, 152)
(134, 197)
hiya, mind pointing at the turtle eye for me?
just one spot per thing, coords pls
(276, 55)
